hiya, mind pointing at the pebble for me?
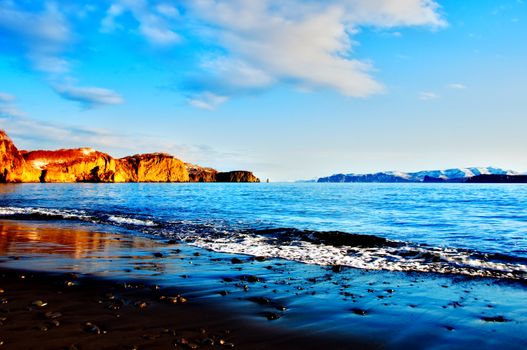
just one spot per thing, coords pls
(271, 316)
(236, 261)
(494, 319)
(55, 323)
(208, 341)
(52, 315)
(260, 300)
(336, 268)
(359, 312)
(91, 328)
(141, 304)
(39, 303)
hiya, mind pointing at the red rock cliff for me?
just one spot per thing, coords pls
(88, 165)
(13, 167)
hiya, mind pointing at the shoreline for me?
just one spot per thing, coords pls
(265, 303)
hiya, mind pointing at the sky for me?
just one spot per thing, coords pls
(295, 89)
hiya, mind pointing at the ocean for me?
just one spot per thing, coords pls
(394, 265)
(447, 228)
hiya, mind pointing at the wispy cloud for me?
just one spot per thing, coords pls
(30, 133)
(206, 100)
(153, 21)
(428, 95)
(267, 42)
(90, 96)
(250, 45)
(8, 107)
(42, 34)
(457, 86)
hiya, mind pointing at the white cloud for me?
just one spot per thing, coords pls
(5, 97)
(206, 100)
(153, 25)
(457, 86)
(301, 42)
(90, 96)
(8, 107)
(30, 133)
(43, 34)
(428, 95)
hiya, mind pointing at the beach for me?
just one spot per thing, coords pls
(76, 286)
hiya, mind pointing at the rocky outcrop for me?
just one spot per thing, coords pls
(13, 167)
(73, 165)
(236, 176)
(201, 174)
(89, 165)
(197, 173)
(155, 167)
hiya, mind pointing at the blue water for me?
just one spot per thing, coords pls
(483, 218)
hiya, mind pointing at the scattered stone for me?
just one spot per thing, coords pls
(52, 315)
(236, 261)
(208, 341)
(197, 254)
(271, 316)
(41, 327)
(260, 300)
(158, 255)
(359, 312)
(178, 299)
(495, 319)
(336, 268)
(449, 328)
(91, 328)
(250, 278)
(141, 304)
(39, 303)
(55, 323)
(223, 293)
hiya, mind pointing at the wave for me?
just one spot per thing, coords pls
(367, 252)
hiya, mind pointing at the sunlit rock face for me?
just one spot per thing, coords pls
(13, 167)
(73, 165)
(89, 165)
(154, 167)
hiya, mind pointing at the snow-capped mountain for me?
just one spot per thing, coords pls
(452, 175)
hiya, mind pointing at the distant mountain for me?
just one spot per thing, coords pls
(448, 175)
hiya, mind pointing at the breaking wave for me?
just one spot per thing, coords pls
(368, 252)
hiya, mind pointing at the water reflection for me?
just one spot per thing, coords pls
(75, 247)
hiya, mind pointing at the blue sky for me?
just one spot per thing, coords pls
(290, 90)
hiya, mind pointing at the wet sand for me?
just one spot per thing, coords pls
(64, 311)
(77, 310)
(108, 277)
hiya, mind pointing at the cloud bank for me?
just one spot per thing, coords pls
(246, 45)
(90, 96)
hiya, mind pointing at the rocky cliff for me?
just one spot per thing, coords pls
(13, 166)
(89, 165)
(236, 176)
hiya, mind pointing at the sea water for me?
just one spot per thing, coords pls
(471, 229)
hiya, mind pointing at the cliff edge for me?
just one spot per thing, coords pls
(89, 165)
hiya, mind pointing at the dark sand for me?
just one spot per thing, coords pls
(85, 311)
(88, 313)
(106, 277)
